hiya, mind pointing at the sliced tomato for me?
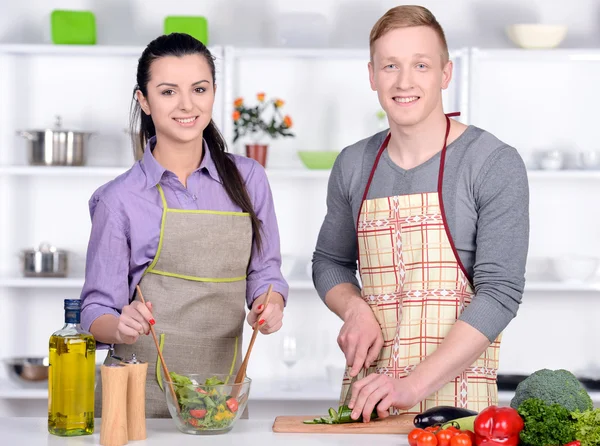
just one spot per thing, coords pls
(193, 422)
(198, 413)
(202, 391)
(232, 404)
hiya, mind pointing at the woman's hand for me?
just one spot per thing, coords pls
(270, 319)
(135, 320)
(383, 392)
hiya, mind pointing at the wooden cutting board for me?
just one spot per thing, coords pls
(399, 424)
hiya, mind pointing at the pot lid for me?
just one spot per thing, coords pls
(45, 248)
(58, 127)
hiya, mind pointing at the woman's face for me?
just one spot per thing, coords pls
(181, 93)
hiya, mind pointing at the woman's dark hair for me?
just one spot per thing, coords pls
(179, 45)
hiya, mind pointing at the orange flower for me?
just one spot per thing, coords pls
(238, 102)
(287, 121)
(279, 103)
(236, 115)
(260, 97)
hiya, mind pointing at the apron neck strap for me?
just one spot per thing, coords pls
(162, 196)
(384, 146)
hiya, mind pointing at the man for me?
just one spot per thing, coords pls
(437, 215)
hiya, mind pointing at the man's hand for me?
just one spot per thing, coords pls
(374, 389)
(360, 337)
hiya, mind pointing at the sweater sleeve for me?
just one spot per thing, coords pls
(502, 200)
(335, 256)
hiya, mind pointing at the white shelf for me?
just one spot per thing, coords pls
(554, 55)
(87, 50)
(77, 171)
(563, 286)
(12, 391)
(77, 282)
(261, 390)
(564, 174)
(298, 173)
(62, 171)
(303, 53)
(41, 282)
(76, 50)
(316, 389)
(295, 284)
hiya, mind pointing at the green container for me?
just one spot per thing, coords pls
(73, 27)
(318, 159)
(194, 26)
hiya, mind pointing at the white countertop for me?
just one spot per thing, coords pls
(34, 432)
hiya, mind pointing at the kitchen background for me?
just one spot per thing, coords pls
(543, 102)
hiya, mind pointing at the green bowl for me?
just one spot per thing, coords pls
(318, 159)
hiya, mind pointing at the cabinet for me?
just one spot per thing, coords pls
(328, 96)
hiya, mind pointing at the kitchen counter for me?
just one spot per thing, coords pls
(34, 432)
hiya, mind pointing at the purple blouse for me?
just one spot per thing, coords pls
(126, 215)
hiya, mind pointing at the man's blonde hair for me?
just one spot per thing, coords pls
(405, 16)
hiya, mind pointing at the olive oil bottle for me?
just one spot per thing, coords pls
(71, 376)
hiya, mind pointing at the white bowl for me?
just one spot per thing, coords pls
(575, 268)
(536, 36)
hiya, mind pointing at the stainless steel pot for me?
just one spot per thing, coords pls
(45, 261)
(56, 147)
(27, 369)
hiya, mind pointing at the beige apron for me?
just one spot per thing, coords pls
(417, 287)
(197, 287)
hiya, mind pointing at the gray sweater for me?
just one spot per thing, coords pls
(486, 199)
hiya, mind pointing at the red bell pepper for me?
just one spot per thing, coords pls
(498, 426)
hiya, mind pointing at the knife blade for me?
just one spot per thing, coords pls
(349, 393)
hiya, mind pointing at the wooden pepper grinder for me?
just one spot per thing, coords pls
(136, 398)
(114, 404)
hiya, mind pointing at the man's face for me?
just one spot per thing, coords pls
(408, 72)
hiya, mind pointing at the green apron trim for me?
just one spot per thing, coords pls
(233, 362)
(162, 231)
(166, 209)
(196, 211)
(198, 279)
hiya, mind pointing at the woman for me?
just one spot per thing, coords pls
(194, 226)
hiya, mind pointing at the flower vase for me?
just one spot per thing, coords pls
(257, 152)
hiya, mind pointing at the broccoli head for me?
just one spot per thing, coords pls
(553, 387)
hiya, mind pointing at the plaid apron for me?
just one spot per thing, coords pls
(417, 287)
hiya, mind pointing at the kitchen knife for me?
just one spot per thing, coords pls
(349, 393)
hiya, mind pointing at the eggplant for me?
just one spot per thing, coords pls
(441, 415)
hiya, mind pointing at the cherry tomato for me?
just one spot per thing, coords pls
(232, 404)
(433, 429)
(427, 439)
(461, 440)
(413, 436)
(444, 437)
(453, 430)
(470, 434)
(198, 413)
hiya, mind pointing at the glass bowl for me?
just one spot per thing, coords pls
(210, 403)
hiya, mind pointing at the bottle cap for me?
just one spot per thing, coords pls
(72, 304)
